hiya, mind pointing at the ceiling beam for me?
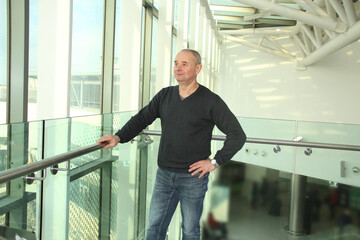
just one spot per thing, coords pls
(248, 10)
(342, 40)
(320, 21)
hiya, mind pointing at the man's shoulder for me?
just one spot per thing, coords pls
(166, 91)
(170, 88)
(208, 93)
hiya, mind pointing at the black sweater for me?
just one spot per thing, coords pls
(187, 127)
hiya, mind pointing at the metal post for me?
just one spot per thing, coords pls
(297, 204)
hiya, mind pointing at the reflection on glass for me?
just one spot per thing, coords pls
(3, 60)
(33, 55)
(86, 68)
(3, 146)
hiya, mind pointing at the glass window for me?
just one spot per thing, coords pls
(117, 54)
(86, 61)
(156, 4)
(173, 80)
(176, 3)
(3, 60)
(33, 55)
(154, 57)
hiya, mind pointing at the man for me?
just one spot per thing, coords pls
(188, 114)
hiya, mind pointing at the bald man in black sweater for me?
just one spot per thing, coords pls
(188, 114)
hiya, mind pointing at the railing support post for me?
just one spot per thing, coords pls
(297, 204)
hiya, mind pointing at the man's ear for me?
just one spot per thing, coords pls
(198, 68)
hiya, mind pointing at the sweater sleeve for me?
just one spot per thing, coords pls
(227, 123)
(140, 121)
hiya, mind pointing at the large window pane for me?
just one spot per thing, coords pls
(173, 80)
(156, 4)
(154, 57)
(176, 4)
(33, 55)
(3, 59)
(87, 47)
(117, 54)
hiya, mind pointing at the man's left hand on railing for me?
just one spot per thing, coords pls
(109, 141)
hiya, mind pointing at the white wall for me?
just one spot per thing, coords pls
(319, 103)
(260, 85)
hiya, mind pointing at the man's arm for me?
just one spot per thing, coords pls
(226, 121)
(135, 125)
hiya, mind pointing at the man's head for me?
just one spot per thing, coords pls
(187, 66)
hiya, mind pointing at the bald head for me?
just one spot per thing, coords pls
(195, 54)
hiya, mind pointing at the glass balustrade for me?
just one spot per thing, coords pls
(106, 194)
(260, 179)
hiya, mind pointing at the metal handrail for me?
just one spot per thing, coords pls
(24, 170)
(279, 142)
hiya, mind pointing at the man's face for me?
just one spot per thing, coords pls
(185, 67)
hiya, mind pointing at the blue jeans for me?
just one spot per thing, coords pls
(170, 189)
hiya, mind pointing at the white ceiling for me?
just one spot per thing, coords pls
(318, 28)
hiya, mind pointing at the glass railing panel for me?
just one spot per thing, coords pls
(258, 180)
(258, 203)
(62, 189)
(328, 164)
(3, 155)
(57, 137)
(84, 207)
(84, 132)
(35, 152)
(22, 144)
(264, 154)
(334, 133)
(331, 210)
(124, 181)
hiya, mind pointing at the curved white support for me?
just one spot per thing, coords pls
(320, 21)
(342, 40)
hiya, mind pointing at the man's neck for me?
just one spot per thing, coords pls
(186, 90)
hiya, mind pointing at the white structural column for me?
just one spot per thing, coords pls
(129, 45)
(164, 49)
(182, 28)
(56, 188)
(54, 59)
(194, 24)
(130, 48)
